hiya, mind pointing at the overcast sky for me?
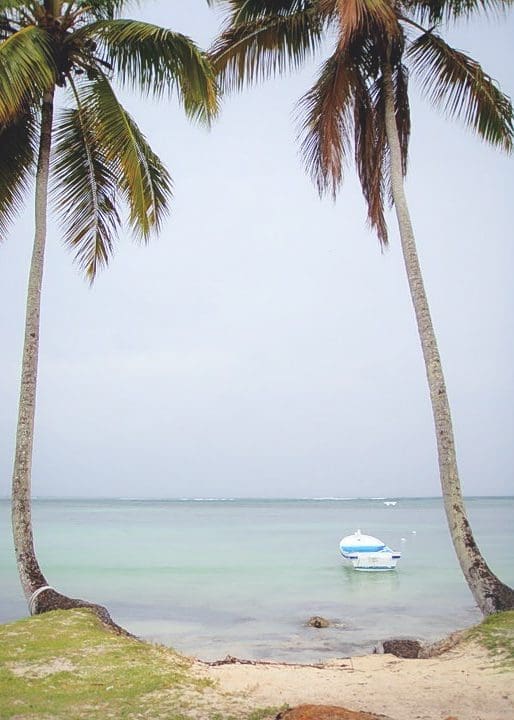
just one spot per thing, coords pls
(263, 345)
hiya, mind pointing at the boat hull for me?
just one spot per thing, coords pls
(368, 553)
(373, 561)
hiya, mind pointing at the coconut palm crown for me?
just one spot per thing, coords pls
(101, 159)
(359, 106)
(97, 160)
(342, 116)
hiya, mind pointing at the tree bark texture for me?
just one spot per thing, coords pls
(39, 595)
(491, 595)
(30, 573)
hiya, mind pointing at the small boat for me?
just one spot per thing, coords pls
(368, 553)
(390, 502)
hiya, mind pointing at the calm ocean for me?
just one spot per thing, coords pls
(241, 577)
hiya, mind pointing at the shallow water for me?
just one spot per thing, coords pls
(241, 577)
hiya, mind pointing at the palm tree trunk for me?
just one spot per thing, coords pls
(39, 595)
(30, 573)
(491, 595)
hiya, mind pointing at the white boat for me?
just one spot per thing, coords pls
(390, 502)
(368, 553)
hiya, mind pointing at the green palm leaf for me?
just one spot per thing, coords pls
(249, 52)
(144, 183)
(84, 190)
(457, 83)
(8, 5)
(103, 9)
(26, 71)
(157, 61)
(17, 150)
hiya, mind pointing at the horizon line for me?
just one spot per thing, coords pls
(213, 498)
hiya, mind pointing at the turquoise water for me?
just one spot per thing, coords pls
(241, 577)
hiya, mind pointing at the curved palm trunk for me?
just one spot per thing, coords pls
(39, 595)
(491, 595)
(31, 576)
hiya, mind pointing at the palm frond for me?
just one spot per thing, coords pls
(378, 94)
(144, 182)
(370, 155)
(402, 110)
(104, 9)
(382, 172)
(84, 190)
(155, 60)
(26, 71)
(262, 48)
(8, 25)
(327, 125)
(436, 11)
(367, 18)
(18, 144)
(456, 83)
(10, 5)
(376, 186)
(243, 11)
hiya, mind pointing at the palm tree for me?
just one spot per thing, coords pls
(360, 104)
(98, 160)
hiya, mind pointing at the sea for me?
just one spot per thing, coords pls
(213, 577)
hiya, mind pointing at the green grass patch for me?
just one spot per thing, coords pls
(496, 633)
(66, 664)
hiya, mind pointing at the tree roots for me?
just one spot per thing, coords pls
(50, 600)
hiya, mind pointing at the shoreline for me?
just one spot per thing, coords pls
(461, 683)
(243, 578)
(299, 642)
(69, 666)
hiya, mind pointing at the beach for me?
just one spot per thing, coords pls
(202, 579)
(66, 665)
(462, 683)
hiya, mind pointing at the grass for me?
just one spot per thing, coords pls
(66, 664)
(496, 633)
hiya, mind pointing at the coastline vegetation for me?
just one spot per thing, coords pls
(67, 664)
(496, 633)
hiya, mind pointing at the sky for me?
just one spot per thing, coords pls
(263, 345)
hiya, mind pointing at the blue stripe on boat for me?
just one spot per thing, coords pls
(362, 548)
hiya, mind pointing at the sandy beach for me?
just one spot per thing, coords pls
(463, 683)
(67, 665)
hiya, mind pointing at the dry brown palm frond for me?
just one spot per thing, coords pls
(326, 127)
(367, 18)
(402, 110)
(370, 152)
(248, 52)
(343, 114)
